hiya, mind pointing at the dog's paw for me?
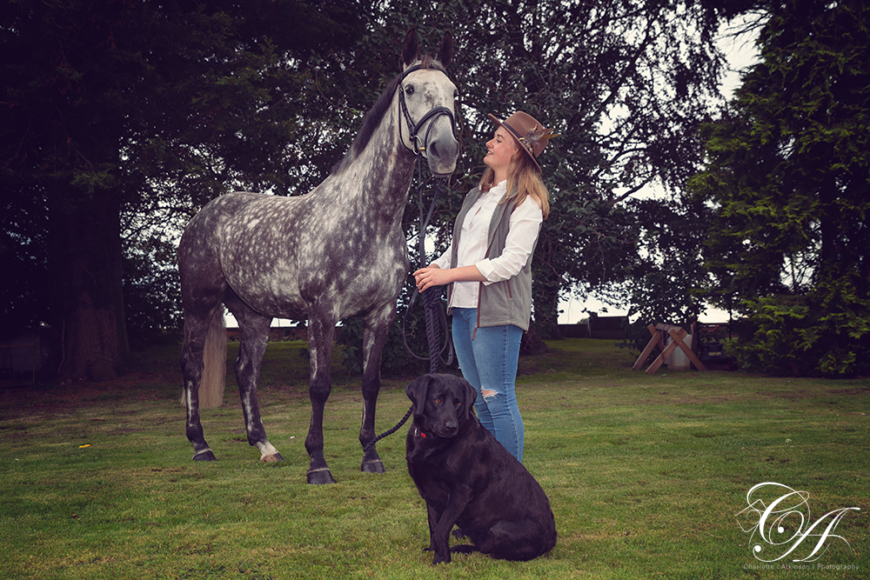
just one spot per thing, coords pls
(441, 559)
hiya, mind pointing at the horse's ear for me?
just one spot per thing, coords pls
(445, 51)
(410, 48)
(470, 396)
(417, 391)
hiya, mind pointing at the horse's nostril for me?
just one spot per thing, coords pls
(442, 154)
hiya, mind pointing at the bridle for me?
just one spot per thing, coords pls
(413, 128)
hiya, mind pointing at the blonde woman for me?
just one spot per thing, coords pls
(488, 268)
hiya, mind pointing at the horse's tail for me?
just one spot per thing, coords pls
(214, 362)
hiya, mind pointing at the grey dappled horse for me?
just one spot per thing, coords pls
(337, 252)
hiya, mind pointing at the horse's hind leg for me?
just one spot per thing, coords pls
(254, 329)
(377, 329)
(196, 326)
(202, 292)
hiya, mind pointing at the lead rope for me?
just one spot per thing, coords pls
(389, 432)
(436, 318)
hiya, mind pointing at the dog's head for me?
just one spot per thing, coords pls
(441, 403)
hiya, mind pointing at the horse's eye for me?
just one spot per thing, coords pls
(409, 90)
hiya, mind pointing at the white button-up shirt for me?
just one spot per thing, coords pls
(525, 224)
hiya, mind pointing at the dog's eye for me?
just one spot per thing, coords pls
(458, 403)
(437, 401)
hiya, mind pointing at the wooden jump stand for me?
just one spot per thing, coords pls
(677, 335)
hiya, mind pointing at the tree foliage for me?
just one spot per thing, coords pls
(121, 118)
(667, 285)
(625, 83)
(789, 179)
(122, 108)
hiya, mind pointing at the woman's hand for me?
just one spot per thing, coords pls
(432, 275)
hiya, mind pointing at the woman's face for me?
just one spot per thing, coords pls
(501, 150)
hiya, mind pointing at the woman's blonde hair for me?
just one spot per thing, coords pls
(523, 181)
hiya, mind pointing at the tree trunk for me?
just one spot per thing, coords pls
(532, 343)
(545, 295)
(86, 254)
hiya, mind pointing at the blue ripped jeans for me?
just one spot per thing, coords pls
(489, 363)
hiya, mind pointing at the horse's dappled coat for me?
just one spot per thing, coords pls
(334, 253)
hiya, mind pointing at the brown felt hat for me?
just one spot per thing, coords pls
(530, 135)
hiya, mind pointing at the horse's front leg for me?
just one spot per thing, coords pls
(320, 335)
(375, 337)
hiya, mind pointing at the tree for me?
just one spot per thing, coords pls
(122, 118)
(152, 290)
(668, 284)
(625, 83)
(125, 107)
(788, 177)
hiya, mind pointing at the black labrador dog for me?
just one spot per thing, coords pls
(469, 479)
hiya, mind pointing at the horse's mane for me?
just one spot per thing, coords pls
(372, 119)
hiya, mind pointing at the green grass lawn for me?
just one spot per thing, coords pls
(646, 474)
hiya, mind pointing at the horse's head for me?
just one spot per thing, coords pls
(427, 98)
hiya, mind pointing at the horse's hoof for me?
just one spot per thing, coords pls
(375, 466)
(274, 458)
(206, 455)
(320, 476)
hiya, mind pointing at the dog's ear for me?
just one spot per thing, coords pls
(417, 391)
(470, 396)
